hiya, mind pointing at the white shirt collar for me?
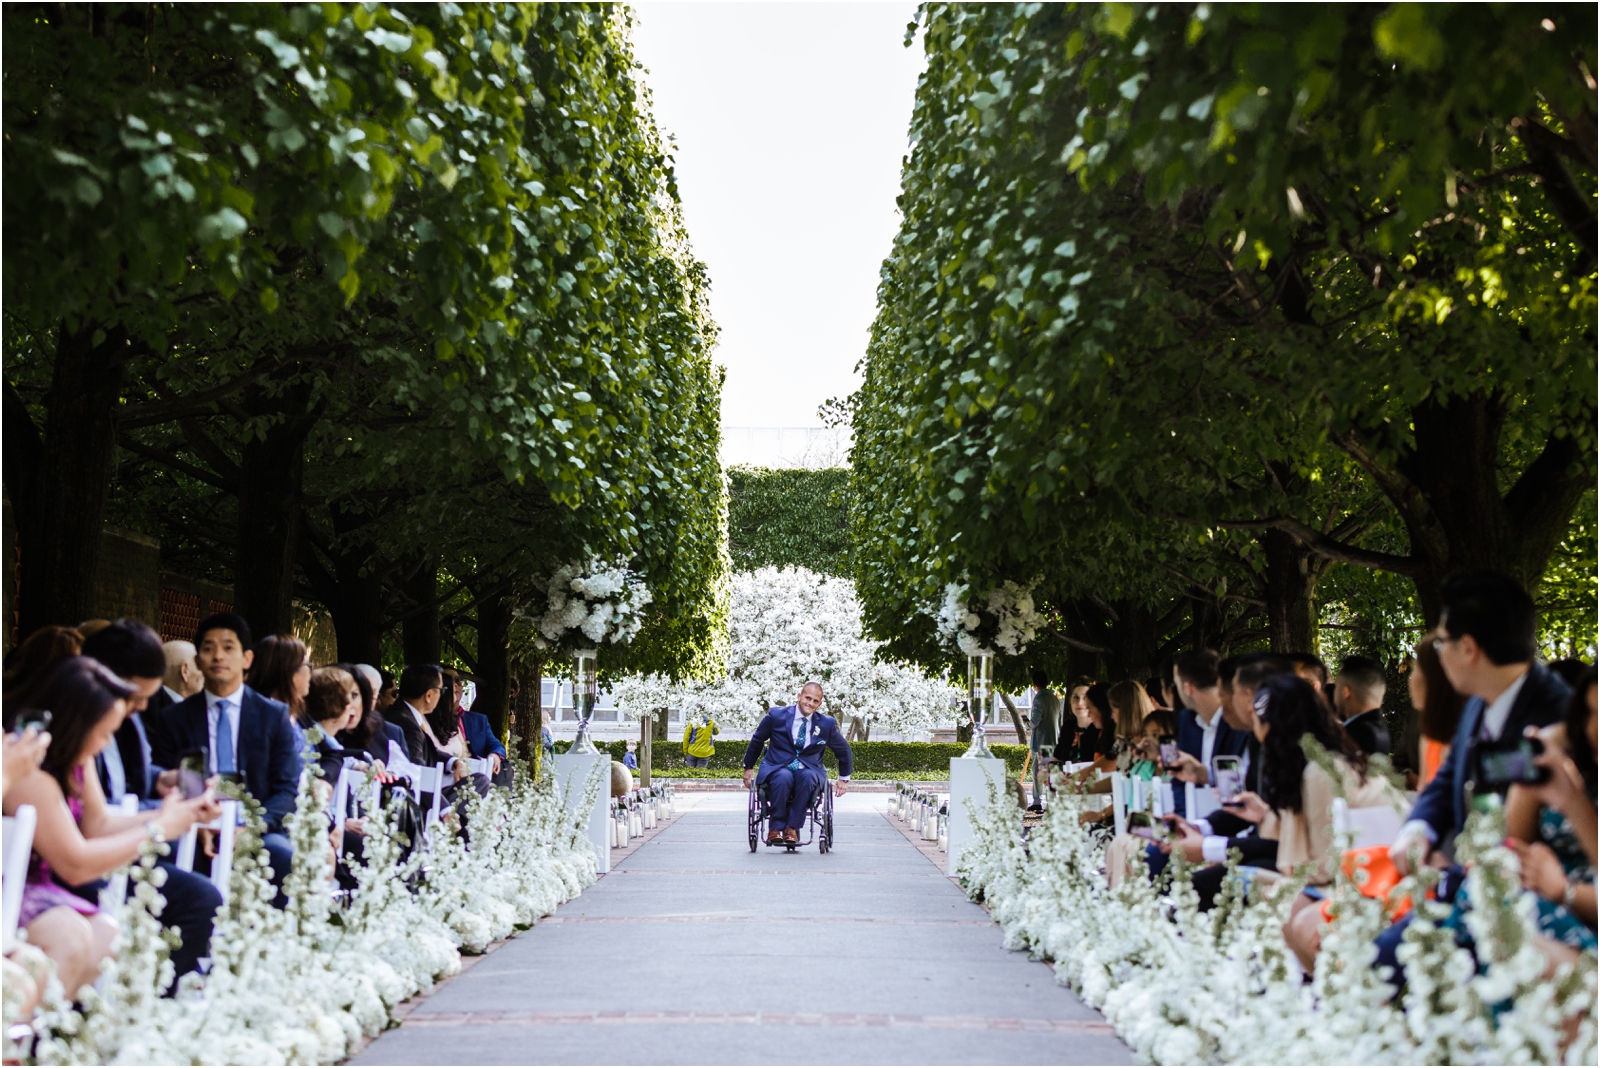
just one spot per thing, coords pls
(232, 700)
(1499, 710)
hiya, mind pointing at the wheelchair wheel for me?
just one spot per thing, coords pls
(755, 820)
(825, 821)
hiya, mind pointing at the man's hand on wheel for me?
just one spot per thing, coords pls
(839, 787)
(749, 773)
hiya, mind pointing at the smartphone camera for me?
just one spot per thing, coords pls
(192, 774)
(37, 718)
(1169, 751)
(1511, 763)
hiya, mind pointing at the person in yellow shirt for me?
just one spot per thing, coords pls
(698, 747)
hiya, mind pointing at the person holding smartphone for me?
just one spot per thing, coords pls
(78, 838)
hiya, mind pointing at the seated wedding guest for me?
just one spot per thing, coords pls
(1130, 708)
(281, 670)
(24, 977)
(133, 653)
(1202, 682)
(333, 705)
(387, 693)
(78, 839)
(373, 735)
(1438, 706)
(481, 744)
(1309, 666)
(1158, 692)
(1076, 718)
(29, 664)
(241, 732)
(1096, 740)
(183, 678)
(419, 691)
(1552, 825)
(1358, 698)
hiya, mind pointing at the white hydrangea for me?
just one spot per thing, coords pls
(1003, 620)
(787, 627)
(603, 602)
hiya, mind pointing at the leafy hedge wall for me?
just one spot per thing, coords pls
(878, 758)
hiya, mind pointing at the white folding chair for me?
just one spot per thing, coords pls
(479, 767)
(1119, 803)
(1377, 825)
(18, 833)
(226, 826)
(429, 781)
(115, 892)
(1160, 798)
(1199, 801)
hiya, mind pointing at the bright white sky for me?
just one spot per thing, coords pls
(790, 121)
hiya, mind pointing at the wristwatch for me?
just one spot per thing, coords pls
(153, 829)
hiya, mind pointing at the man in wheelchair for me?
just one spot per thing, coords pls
(791, 769)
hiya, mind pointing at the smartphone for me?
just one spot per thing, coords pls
(1140, 819)
(1169, 751)
(1230, 780)
(1510, 763)
(1145, 833)
(192, 773)
(37, 718)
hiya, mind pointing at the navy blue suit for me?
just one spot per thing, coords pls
(268, 756)
(1446, 801)
(480, 737)
(791, 790)
(1191, 740)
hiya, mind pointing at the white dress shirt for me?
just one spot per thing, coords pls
(1208, 736)
(233, 701)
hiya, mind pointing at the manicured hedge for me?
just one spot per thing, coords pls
(879, 759)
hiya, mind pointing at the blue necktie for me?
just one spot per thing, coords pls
(225, 762)
(800, 743)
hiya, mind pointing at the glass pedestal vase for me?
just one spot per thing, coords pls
(584, 691)
(980, 704)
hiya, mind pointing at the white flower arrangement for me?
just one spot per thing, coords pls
(603, 602)
(1185, 987)
(786, 627)
(1004, 620)
(304, 984)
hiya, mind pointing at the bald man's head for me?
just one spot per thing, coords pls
(810, 698)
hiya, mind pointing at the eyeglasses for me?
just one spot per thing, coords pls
(1440, 643)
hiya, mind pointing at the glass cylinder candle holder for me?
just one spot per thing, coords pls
(584, 692)
(980, 704)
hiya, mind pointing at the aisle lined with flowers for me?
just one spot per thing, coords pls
(693, 950)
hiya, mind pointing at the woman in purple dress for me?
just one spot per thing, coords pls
(78, 839)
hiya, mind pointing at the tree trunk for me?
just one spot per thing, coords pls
(1290, 590)
(1447, 491)
(526, 738)
(1016, 719)
(358, 600)
(494, 663)
(271, 473)
(420, 634)
(61, 501)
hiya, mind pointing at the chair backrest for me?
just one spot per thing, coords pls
(1199, 801)
(1119, 803)
(226, 826)
(478, 766)
(1378, 825)
(18, 833)
(430, 781)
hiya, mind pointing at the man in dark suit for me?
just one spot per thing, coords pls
(791, 768)
(132, 651)
(242, 732)
(1487, 643)
(1358, 696)
(1203, 684)
(476, 732)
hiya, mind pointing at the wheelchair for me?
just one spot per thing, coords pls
(819, 822)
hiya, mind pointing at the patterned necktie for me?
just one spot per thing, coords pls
(800, 743)
(225, 761)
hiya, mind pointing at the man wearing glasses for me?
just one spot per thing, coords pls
(1487, 644)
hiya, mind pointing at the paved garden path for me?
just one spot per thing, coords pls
(695, 951)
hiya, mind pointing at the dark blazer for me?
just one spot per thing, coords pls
(418, 746)
(140, 771)
(1076, 744)
(1191, 736)
(1369, 732)
(269, 748)
(330, 761)
(776, 733)
(480, 738)
(1447, 800)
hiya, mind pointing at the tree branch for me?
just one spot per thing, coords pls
(1074, 643)
(200, 473)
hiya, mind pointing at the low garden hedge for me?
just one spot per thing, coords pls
(879, 760)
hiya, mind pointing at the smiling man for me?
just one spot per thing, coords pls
(791, 768)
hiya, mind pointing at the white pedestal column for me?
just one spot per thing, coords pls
(969, 779)
(572, 776)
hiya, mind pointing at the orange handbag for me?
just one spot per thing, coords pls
(1376, 877)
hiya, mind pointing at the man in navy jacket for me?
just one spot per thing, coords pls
(241, 731)
(792, 768)
(1487, 644)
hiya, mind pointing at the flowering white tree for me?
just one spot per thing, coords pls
(786, 627)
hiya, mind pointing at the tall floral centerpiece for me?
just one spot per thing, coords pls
(1004, 619)
(589, 604)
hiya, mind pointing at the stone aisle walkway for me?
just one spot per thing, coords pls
(695, 951)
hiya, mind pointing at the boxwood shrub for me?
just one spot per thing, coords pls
(879, 759)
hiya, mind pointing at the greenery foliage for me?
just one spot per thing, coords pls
(790, 517)
(873, 759)
(1191, 302)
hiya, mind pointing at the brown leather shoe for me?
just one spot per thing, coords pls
(774, 837)
(791, 835)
